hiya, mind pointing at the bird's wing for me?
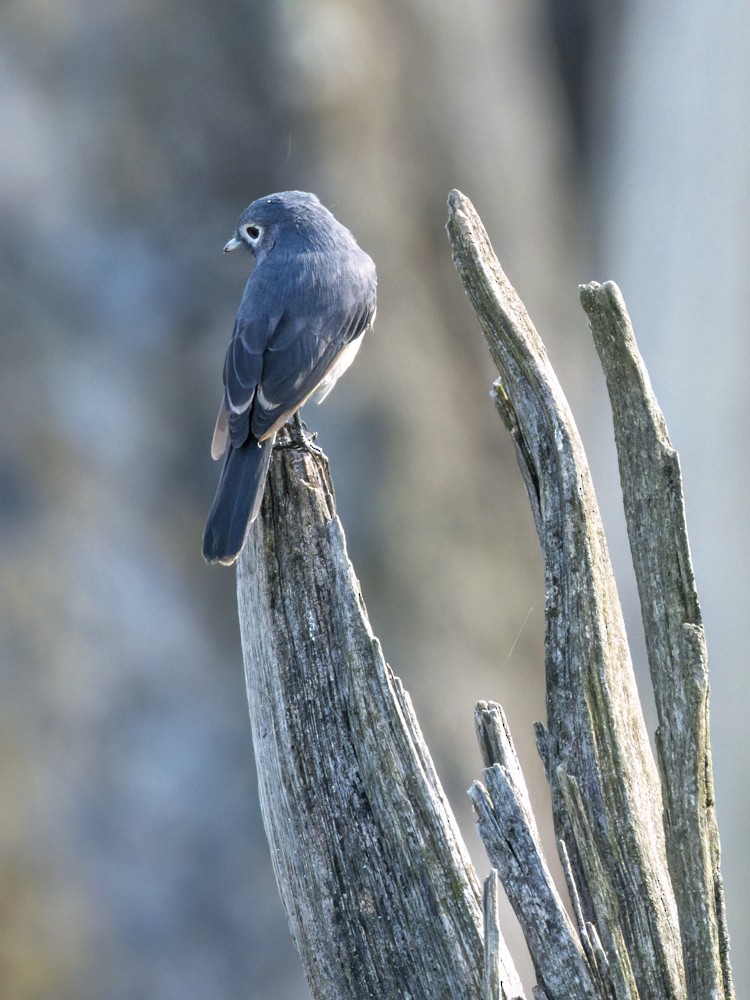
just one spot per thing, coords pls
(292, 372)
(256, 322)
(278, 356)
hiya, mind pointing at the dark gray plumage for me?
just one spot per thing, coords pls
(304, 312)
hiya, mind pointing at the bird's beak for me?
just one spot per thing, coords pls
(232, 244)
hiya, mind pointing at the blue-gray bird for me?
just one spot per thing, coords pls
(306, 307)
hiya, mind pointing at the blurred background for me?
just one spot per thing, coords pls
(597, 140)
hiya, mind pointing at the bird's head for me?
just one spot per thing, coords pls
(293, 216)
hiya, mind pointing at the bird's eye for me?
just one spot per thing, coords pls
(253, 233)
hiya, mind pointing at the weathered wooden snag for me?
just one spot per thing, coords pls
(381, 896)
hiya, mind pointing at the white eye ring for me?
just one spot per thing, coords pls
(253, 234)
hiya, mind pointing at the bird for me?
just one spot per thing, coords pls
(307, 305)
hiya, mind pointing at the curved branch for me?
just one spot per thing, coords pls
(595, 729)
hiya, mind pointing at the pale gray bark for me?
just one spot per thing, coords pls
(492, 986)
(508, 830)
(676, 645)
(595, 731)
(381, 897)
(649, 907)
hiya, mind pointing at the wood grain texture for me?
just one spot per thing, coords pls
(497, 985)
(655, 514)
(595, 731)
(508, 830)
(381, 896)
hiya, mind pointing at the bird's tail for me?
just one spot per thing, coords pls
(237, 500)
